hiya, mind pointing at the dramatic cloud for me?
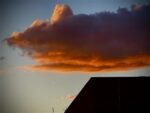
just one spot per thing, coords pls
(104, 41)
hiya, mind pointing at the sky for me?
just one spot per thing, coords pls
(36, 91)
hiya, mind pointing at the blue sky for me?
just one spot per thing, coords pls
(37, 92)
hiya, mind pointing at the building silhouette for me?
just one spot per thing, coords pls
(113, 95)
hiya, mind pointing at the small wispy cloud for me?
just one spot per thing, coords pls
(2, 58)
(70, 97)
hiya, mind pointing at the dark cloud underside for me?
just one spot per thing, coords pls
(96, 42)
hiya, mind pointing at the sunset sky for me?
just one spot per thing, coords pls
(44, 64)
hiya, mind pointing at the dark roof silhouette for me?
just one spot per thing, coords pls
(113, 95)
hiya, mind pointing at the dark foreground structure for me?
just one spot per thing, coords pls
(113, 95)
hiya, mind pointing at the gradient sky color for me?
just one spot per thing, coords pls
(37, 92)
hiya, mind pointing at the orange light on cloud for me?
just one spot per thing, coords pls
(87, 43)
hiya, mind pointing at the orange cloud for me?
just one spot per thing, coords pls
(89, 43)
